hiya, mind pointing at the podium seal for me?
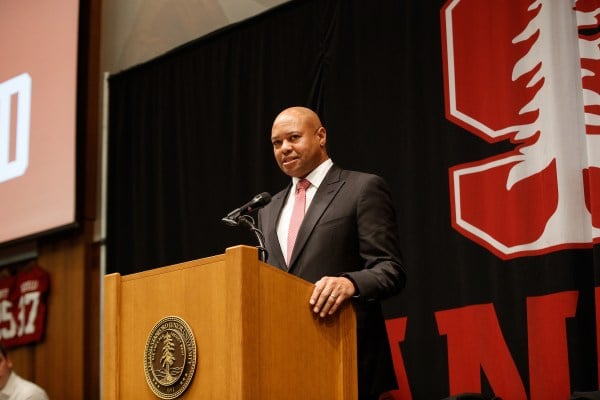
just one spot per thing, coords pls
(170, 357)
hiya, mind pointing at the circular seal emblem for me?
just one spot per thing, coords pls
(170, 357)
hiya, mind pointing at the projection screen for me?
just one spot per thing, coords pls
(38, 85)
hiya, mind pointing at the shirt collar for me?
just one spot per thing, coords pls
(317, 175)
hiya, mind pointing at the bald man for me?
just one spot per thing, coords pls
(347, 243)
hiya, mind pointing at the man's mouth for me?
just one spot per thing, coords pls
(288, 161)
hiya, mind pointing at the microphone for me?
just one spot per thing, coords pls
(258, 201)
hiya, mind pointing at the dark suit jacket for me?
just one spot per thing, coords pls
(349, 230)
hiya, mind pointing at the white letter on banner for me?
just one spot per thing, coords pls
(21, 86)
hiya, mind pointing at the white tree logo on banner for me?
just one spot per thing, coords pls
(533, 80)
(19, 86)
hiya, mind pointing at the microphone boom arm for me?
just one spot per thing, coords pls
(240, 216)
(248, 221)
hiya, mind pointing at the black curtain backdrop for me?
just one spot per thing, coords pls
(189, 140)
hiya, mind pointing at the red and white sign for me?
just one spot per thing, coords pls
(536, 84)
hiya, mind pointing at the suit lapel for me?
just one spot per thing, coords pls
(325, 194)
(276, 256)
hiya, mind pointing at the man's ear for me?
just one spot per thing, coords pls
(322, 133)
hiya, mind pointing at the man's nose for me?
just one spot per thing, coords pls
(286, 146)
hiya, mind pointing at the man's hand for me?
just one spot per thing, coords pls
(329, 293)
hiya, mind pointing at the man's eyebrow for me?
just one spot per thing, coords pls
(286, 134)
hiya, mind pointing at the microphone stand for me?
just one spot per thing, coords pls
(248, 222)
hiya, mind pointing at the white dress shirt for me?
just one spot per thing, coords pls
(17, 388)
(315, 178)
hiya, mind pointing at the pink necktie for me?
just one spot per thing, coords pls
(297, 215)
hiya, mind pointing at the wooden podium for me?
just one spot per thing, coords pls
(256, 337)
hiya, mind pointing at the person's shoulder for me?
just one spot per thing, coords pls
(365, 183)
(360, 175)
(28, 390)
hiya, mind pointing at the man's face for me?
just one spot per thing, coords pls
(299, 146)
(5, 369)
